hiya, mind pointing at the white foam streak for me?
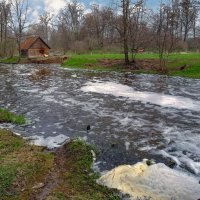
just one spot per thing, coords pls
(120, 90)
(49, 142)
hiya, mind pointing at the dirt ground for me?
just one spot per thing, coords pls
(48, 60)
(53, 178)
(148, 64)
(71, 177)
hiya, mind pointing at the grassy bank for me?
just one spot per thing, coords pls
(31, 172)
(175, 62)
(36, 60)
(78, 181)
(90, 61)
(21, 166)
(114, 62)
(8, 117)
(11, 60)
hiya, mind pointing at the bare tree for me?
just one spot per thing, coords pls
(161, 27)
(4, 16)
(45, 21)
(126, 26)
(19, 9)
(72, 16)
(125, 5)
(188, 15)
(166, 27)
(98, 23)
(137, 24)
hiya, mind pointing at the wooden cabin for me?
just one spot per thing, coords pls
(34, 47)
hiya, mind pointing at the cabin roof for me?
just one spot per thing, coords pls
(27, 44)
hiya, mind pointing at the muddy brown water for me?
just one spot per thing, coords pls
(124, 128)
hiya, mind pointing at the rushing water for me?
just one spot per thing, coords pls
(131, 116)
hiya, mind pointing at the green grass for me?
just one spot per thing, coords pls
(7, 175)
(192, 60)
(79, 181)
(23, 166)
(11, 60)
(175, 61)
(84, 61)
(8, 117)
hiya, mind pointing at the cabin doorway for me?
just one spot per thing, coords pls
(42, 51)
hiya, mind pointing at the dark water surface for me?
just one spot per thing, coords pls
(131, 116)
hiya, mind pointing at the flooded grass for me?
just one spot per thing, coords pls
(43, 72)
(8, 117)
(175, 62)
(31, 172)
(40, 74)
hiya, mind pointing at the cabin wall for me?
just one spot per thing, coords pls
(37, 49)
(38, 44)
(32, 53)
(24, 53)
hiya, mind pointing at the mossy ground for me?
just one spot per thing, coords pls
(174, 62)
(8, 117)
(64, 174)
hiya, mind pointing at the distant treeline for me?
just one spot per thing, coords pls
(125, 26)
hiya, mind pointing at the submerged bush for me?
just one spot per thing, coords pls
(40, 74)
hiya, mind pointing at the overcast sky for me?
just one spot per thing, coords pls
(37, 7)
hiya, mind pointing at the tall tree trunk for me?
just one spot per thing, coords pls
(19, 46)
(125, 7)
(185, 35)
(1, 27)
(126, 54)
(5, 38)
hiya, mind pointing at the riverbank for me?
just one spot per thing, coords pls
(183, 65)
(39, 60)
(32, 172)
(180, 64)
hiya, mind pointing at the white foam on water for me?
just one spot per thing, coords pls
(49, 142)
(7, 126)
(147, 148)
(167, 155)
(126, 121)
(18, 134)
(183, 148)
(38, 91)
(119, 90)
(34, 90)
(156, 181)
(50, 90)
(127, 145)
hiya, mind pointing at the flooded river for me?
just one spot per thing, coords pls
(132, 117)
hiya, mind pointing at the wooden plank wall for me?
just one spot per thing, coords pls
(37, 52)
(39, 45)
